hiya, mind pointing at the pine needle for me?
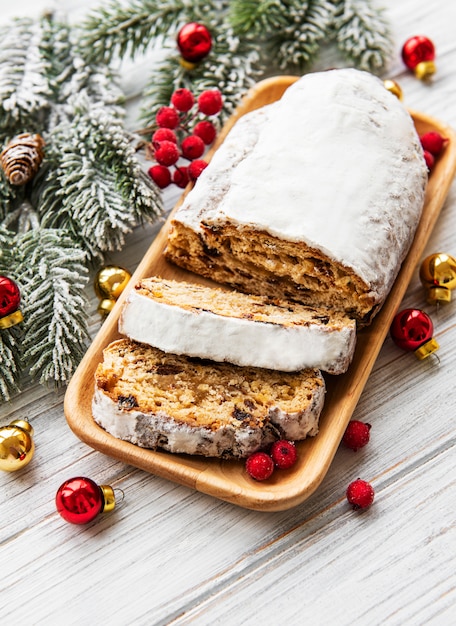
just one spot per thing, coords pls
(10, 338)
(363, 35)
(53, 274)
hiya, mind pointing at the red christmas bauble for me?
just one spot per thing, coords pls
(79, 500)
(418, 54)
(194, 42)
(412, 330)
(10, 296)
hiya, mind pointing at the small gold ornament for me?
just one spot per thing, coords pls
(16, 445)
(425, 70)
(22, 157)
(187, 65)
(109, 283)
(438, 276)
(393, 87)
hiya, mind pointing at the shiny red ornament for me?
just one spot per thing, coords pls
(194, 42)
(418, 54)
(79, 500)
(10, 298)
(412, 330)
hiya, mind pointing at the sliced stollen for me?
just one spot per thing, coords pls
(315, 198)
(159, 400)
(206, 322)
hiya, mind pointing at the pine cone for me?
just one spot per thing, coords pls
(22, 157)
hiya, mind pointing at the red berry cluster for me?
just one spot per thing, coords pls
(433, 144)
(183, 132)
(282, 455)
(360, 493)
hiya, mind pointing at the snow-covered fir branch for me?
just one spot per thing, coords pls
(53, 274)
(25, 91)
(118, 30)
(88, 193)
(96, 204)
(297, 44)
(10, 338)
(250, 39)
(257, 17)
(10, 361)
(363, 35)
(10, 196)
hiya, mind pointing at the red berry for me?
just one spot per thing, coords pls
(183, 100)
(192, 147)
(164, 134)
(210, 102)
(167, 117)
(430, 160)
(433, 142)
(357, 435)
(259, 466)
(167, 153)
(195, 168)
(181, 177)
(360, 494)
(284, 454)
(160, 175)
(206, 130)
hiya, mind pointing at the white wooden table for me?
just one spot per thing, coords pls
(171, 555)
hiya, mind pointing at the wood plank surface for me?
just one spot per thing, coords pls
(171, 555)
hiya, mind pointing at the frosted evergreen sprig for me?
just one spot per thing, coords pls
(89, 192)
(10, 338)
(250, 37)
(116, 29)
(10, 196)
(363, 35)
(98, 205)
(125, 30)
(10, 361)
(298, 43)
(53, 275)
(24, 88)
(257, 17)
(295, 30)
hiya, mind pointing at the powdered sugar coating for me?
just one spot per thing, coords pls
(336, 164)
(244, 342)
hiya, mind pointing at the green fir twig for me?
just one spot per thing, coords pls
(119, 30)
(89, 192)
(91, 183)
(53, 274)
(363, 34)
(10, 338)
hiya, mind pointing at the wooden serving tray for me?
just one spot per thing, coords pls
(228, 480)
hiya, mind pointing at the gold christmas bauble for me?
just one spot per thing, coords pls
(16, 445)
(393, 87)
(438, 276)
(109, 283)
